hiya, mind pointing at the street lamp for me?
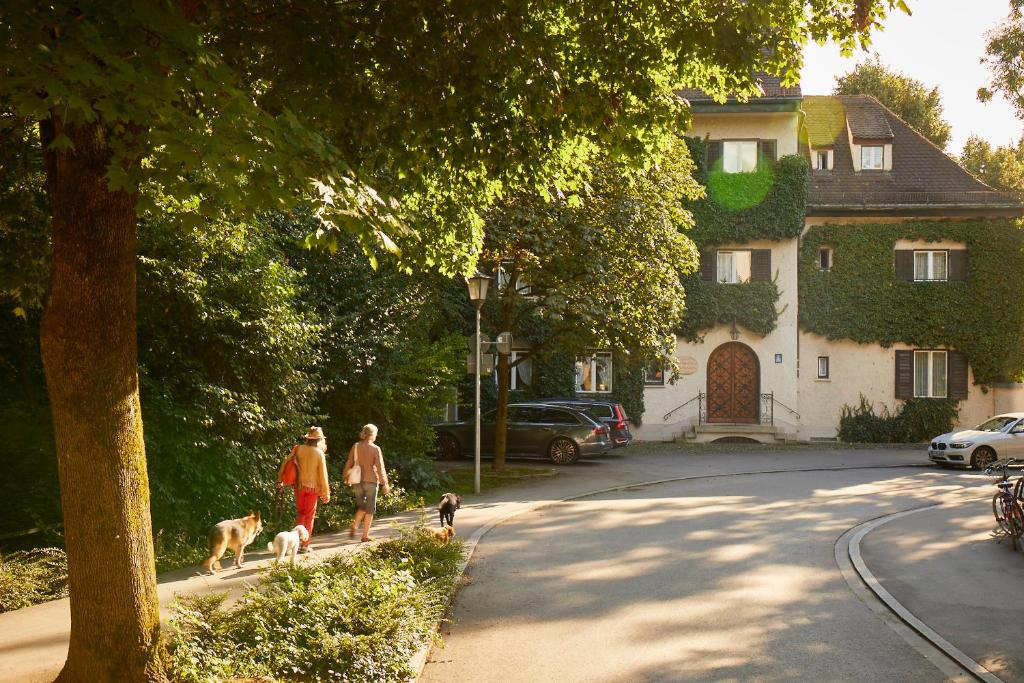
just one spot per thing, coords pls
(477, 294)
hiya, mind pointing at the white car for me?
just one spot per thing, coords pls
(998, 437)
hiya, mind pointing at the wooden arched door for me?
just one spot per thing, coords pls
(734, 384)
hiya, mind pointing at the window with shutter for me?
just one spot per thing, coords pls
(904, 374)
(958, 265)
(708, 260)
(714, 154)
(957, 376)
(905, 265)
(761, 265)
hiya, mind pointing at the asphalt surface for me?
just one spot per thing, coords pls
(718, 577)
(731, 579)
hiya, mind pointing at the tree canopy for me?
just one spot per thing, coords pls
(911, 100)
(397, 122)
(1000, 166)
(1003, 51)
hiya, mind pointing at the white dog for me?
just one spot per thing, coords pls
(286, 543)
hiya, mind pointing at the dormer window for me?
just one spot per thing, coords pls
(872, 157)
(823, 160)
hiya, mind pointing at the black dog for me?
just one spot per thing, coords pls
(450, 502)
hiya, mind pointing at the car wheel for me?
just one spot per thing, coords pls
(982, 458)
(563, 451)
(448, 447)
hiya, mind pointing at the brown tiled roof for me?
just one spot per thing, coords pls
(922, 175)
(771, 86)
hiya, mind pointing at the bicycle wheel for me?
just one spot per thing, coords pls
(1015, 521)
(999, 512)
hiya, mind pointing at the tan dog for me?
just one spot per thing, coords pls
(444, 534)
(234, 534)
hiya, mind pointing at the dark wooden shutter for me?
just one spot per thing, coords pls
(714, 158)
(766, 152)
(904, 374)
(905, 265)
(709, 265)
(958, 265)
(957, 376)
(761, 265)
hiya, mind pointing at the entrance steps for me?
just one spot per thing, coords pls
(707, 433)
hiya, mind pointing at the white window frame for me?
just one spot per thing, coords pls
(823, 155)
(733, 276)
(654, 382)
(513, 376)
(503, 280)
(826, 366)
(828, 250)
(928, 357)
(589, 362)
(930, 269)
(738, 160)
(864, 158)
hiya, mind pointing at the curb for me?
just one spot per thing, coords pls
(419, 660)
(906, 616)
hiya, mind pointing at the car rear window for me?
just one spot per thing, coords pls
(558, 417)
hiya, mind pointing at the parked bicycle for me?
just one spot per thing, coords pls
(1008, 504)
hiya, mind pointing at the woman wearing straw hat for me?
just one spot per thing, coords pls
(311, 484)
(367, 455)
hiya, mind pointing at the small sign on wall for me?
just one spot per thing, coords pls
(687, 365)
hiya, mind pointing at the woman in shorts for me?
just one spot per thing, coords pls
(368, 456)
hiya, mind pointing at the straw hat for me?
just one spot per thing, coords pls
(315, 433)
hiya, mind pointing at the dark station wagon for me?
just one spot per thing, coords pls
(557, 432)
(612, 414)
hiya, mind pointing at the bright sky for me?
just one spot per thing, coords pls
(939, 45)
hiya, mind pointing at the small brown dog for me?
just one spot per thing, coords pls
(234, 534)
(444, 534)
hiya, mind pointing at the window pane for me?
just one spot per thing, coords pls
(939, 374)
(582, 373)
(739, 156)
(939, 265)
(921, 371)
(726, 272)
(742, 261)
(603, 372)
(871, 157)
(825, 259)
(921, 265)
(523, 372)
(823, 367)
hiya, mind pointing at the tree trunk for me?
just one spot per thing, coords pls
(501, 415)
(88, 345)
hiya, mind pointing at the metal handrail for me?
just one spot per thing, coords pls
(698, 397)
(796, 414)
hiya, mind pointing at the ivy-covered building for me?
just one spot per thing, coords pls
(842, 255)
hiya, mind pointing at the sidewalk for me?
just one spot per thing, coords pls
(945, 568)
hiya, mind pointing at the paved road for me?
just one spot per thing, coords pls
(722, 578)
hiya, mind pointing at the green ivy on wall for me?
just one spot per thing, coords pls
(861, 300)
(779, 215)
(751, 305)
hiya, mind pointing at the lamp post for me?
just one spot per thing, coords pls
(477, 294)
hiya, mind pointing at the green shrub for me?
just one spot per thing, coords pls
(31, 577)
(924, 418)
(919, 420)
(345, 619)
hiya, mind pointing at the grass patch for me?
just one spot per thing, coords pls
(358, 618)
(29, 577)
